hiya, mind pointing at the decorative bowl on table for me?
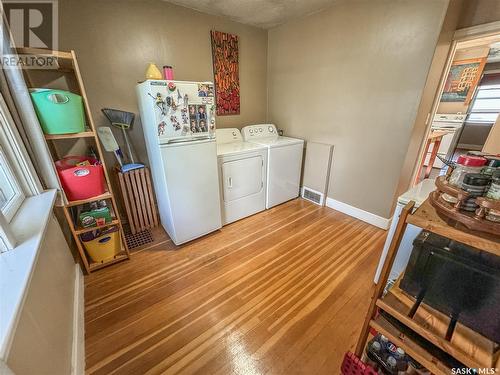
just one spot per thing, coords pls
(449, 200)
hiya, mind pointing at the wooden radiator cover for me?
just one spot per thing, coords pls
(138, 199)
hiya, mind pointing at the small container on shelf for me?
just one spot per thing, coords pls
(466, 164)
(494, 194)
(102, 245)
(94, 214)
(476, 185)
(81, 177)
(384, 355)
(492, 165)
(59, 111)
(373, 349)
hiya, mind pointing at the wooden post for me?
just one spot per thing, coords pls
(384, 276)
(432, 159)
(421, 165)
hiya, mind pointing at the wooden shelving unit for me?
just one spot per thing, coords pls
(380, 324)
(427, 218)
(106, 195)
(87, 134)
(465, 346)
(85, 230)
(68, 67)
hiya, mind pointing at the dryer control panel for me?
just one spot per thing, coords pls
(259, 131)
(228, 135)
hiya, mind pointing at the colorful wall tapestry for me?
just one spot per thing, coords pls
(226, 73)
(462, 80)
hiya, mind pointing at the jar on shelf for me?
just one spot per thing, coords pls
(476, 184)
(492, 165)
(494, 193)
(465, 164)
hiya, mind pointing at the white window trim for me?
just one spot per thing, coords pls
(7, 238)
(16, 153)
(17, 266)
(19, 165)
(15, 202)
(25, 232)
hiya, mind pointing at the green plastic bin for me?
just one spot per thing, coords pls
(59, 111)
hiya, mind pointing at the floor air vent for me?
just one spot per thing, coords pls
(312, 196)
(138, 239)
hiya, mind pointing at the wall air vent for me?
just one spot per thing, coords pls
(312, 195)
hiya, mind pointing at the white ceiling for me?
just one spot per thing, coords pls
(260, 13)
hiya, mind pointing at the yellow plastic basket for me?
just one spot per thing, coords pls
(103, 247)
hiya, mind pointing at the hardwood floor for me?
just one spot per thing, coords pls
(282, 292)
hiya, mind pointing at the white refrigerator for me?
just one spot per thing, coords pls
(178, 121)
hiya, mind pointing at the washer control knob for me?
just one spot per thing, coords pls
(271, 129)
(251, 131)
(260, 130)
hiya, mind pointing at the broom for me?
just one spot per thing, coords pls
(123, 120)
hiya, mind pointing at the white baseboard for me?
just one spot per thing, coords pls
(358, 213)
(78, 352)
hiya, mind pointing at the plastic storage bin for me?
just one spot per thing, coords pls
(80, 182)
(352, 365)
(103, 247)
(59, 112)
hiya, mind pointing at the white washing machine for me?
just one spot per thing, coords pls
(242, 175)
(284, 162)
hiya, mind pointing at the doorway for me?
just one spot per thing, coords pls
(465, 112)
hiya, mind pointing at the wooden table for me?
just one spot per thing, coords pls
(435, 139)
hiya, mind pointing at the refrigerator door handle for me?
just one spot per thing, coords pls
(183, 140)
(230, 182)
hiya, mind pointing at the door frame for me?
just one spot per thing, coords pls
(415, 153)
(460, 38)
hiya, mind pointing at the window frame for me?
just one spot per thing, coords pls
(15, 202)
(486, 111)
(19, 166)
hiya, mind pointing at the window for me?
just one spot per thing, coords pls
(16, 176)
(486, 105)
(11, 195)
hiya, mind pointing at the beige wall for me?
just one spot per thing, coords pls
(492, 144)
(115, 39)
(352, 76)
(431, 88)
(477, 12)
(43, 338)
